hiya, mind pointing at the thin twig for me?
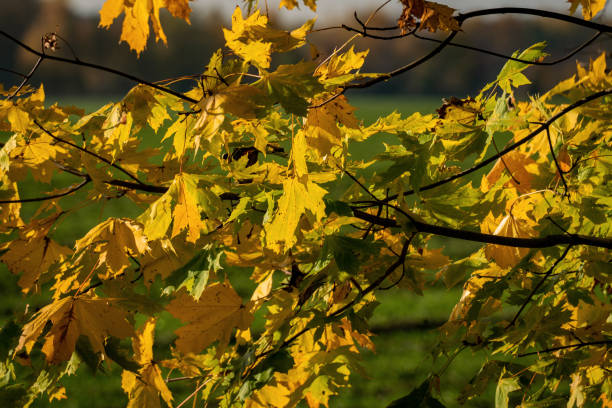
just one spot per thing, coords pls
(198, 388)
(537, 287)
(89, 152)
(374, 285)
(364, 188)
(552, 152)
(26, 78)
(510, 57)
(86, 179)
(10, 71)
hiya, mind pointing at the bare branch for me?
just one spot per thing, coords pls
(574, 346)
(26, 78)
(542, 242)
(86, 179)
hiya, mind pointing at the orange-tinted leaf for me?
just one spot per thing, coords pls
(212, 317)
(114, 241)
(509, 226)
(523, 170)
(32, 258)
(72, 317)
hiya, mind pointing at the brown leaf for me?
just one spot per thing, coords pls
(430, 15)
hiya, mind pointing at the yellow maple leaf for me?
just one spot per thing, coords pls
(163, 259)
(71, 317)
(291, 4)
(188, 200)
(10, 212)
(18, 118)
(135, 30)
(114, 241)
(298, 154)
(212, 317)
(276, 394)
(34, 252)
(117, 128)
(590, 8)
(254, 40)
(337, 69)
(145, 388)
(39, 154)
(58, 394)
(297, 197)
(186, 213)
(32, 258)
(322, 125)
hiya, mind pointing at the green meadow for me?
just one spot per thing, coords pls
(404, 323)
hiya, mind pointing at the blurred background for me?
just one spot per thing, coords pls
(404, 323)
(454, 72)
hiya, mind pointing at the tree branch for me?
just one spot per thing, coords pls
(26, 78)
(552, 152)
(405, 68)
(535, 12)
(86, 179)
(511, 58)
(461, 18)
(542, 242)
(575, 346)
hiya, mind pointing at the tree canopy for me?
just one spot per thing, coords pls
(253, 171)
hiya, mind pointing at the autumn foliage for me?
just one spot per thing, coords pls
(253, 173)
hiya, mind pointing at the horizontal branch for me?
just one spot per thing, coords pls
(535, 12)
(137, 186)
(160, 189)
(574, 346)
(542, 242)
(86, 179)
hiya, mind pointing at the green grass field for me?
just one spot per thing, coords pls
(403, 356)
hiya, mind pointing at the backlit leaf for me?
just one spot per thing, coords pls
(135, 30)
(212, 317)
(71, 317)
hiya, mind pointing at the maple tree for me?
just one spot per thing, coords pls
(253, 174)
